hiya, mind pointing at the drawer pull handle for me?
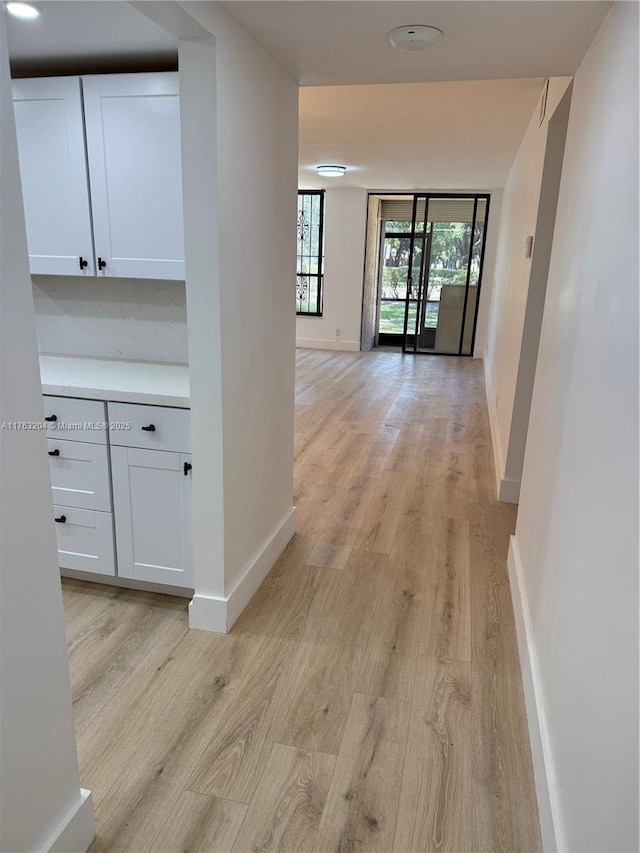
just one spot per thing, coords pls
(61, 519)
(52, 418)
(55, 452)
(101, 264)
(150, 428)
(83, 263)
(187, 467)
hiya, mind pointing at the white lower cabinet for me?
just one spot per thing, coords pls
(85, 540)
(152, 504)
(80, 474)
(138, 494)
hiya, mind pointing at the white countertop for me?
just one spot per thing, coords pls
(119, 381)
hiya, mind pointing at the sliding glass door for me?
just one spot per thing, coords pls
(431, 255)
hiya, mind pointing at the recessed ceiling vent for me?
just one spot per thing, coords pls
(414, 36)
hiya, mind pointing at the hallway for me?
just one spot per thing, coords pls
(369, 698)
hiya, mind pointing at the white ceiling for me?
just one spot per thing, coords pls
(460, 135)
(429, 135)
(87, 35)
(342, 42)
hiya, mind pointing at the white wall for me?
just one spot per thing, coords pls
(519, 217)
(575, 553)
(345, 234)
(253, 265)
(111, 318)
(40, 795)
(257, 175)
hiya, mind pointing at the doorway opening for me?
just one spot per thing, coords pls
(430, 253)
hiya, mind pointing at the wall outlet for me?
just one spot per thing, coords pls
(338, 333)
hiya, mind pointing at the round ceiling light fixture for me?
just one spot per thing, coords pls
(331, 171)
(414, 36)
(25, 11)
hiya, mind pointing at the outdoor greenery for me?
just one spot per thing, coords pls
(450, 243)
(392, 317)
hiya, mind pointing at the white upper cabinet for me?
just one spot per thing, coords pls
(125, 129)
(50, 131)
(133, 147)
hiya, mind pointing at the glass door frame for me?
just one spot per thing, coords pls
(427, 238)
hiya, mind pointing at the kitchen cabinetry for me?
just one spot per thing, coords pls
(152, 494)
(151, 470)
(130, 482)
(79, 464)
(103, 196)
(55, 190)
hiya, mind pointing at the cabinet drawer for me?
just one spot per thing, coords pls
(85, 540)
(76, 420)
(152, 427)
(80, 474)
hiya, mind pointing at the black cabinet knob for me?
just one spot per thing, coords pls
(83, 263)
(101, 264)
(150, 428)
(52, 418)
(187, 467)
(55, 452)
(61, 519)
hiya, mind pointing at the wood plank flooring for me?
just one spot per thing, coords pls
(369, 698)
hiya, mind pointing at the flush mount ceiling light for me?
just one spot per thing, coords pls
(331, 171)
(26, 11)
(414, 36)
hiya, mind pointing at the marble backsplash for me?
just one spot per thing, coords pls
(111, 318)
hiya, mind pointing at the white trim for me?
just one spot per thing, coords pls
(76, 831)
(549, 807)
(218, 613)
(509, 491)
(315, 343)
(478, 352)
(495, 435)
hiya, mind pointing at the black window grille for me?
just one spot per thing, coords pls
(310, 252)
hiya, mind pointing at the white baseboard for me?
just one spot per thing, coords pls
(76, 830)
(551, 826)
(509, 491)
(218, 613)
(478, 352)
(495, 436)
(313, 343)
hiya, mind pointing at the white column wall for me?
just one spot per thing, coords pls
(41, 802)
(257, 143)
(518, 218)
(574, 559)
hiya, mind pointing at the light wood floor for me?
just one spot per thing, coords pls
(369, 698)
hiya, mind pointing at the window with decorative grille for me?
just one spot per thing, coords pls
(309, 278)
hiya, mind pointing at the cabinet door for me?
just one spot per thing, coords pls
(152, 502)
(53, 170)
(133, 147)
